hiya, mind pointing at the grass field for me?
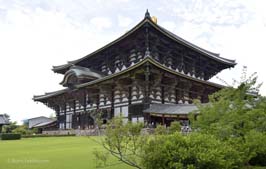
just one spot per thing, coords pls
(51, 153)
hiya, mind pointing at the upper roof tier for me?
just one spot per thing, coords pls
(148, 38)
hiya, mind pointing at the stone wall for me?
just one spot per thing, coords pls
(87, 132)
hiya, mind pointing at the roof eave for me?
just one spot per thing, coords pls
(147, 59)
(213, 55)
(60, 68)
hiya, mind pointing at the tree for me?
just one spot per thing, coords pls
(123, 141)
(230, 132)
(162, 150)
(10, 127)
(236, 115)
(5, 122)
(174, 127)
(24, 130)
(176, 151)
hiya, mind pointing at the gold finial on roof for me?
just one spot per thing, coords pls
(154, 19)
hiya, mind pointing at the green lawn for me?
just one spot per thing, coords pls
(51, 153)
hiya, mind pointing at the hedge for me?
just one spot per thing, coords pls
(10, 136)
(46, 135)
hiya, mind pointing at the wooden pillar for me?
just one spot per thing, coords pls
(65, 109)
(129, 95)
(182, 67)
(74, 113)
(147, 86)
(176, 96)
(112, 102)
(85, 102)
(163, 119)
(57, 116)
(74, 106)
(98, 101)
(162, 93)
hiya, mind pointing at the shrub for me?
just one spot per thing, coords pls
(174, 127)
(46, 135)
(196, 150)
(23, 130)
(160, 130)
(255, 144)
(10, 136)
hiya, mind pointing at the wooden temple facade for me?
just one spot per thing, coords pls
(149, 74)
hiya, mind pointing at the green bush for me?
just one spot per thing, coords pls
(196, 150)
(46, 135)
(160, 130)
(174, 127)
(255, 144)
(10, 136)
(23, 130)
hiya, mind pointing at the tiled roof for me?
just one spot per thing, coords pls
(176, 109)
(44, 124)
(147, 59)
(178, 39)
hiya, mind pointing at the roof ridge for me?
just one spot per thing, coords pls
(196, 47)
(213, 55)
(103, 47)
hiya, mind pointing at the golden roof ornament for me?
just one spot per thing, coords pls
(154, 19)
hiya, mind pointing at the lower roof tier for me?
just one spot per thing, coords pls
(148, 76)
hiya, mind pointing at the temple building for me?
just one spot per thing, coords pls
(148, 75)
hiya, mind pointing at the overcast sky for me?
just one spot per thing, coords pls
(37, 34)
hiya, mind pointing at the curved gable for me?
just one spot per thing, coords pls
(105, 58)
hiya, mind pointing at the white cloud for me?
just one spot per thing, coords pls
(169, 25)
(101, 22)
(31, 42)
(246, 45)
(216, 12)
(124, 21)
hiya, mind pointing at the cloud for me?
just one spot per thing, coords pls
(31, 42)
(124, 21)
(101, 22)
(169, 25)
(215, 12)
(235, 29)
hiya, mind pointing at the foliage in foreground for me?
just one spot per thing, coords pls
(165, 149)
(230, 132)
(196, 150)
(123, 141)
(236, 116)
